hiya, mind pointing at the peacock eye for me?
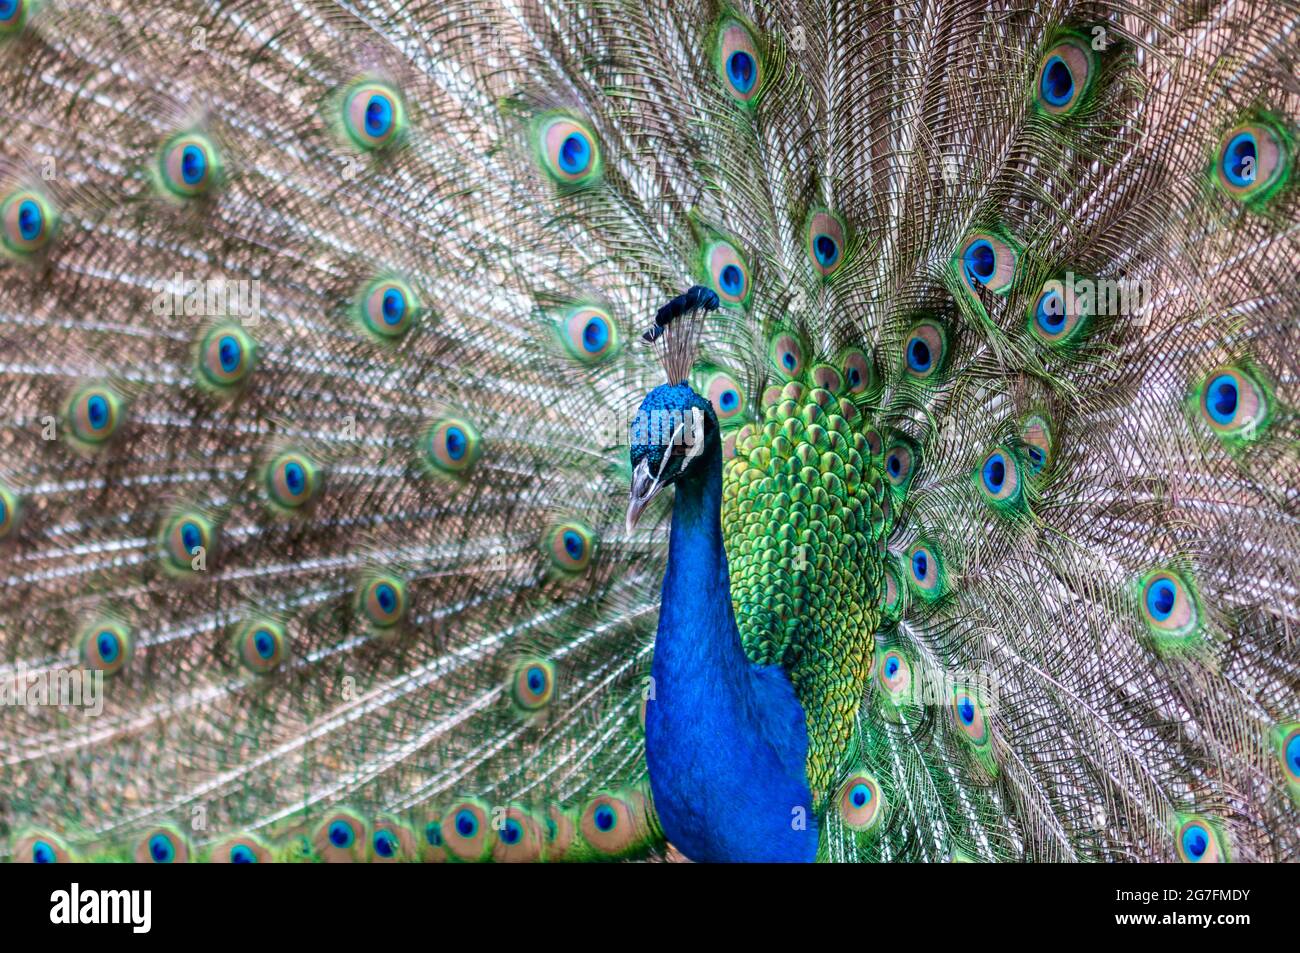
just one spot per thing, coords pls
(969, 717)
(242, 854)
(466, 823)
(533, 684)
(161, 849)
(589, 334)
(387, 308)
(1036, 434)
(106, 646)
(857, 369)
(292, 480)
(569, 150)
(13, 16)
(1197, 842)
(901, 458)
(986, 260)
(571, 546)
(728, 272)
(185, 536)
(452, 446)
(1252, 159)
(999, 479)
(925, 350)
(374, 115)
(1056, 316)
(189, 165)
(341, 834)
(94, 414)
(261, 645)
(226, 355)
(825, 237)
(606, 823)
(29, 222)
(1065, 74)
(860, 802)
(1233, 403)
(386, 844)
(925, 570)
(726, 396)
(1167, 604)
(383, 601)
(739, 64)
(433, 833)
(43, 853)
(786, 354)
(1290, 755)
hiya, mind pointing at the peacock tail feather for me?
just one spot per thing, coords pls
(321, 330)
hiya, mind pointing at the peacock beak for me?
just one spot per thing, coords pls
(644, 489)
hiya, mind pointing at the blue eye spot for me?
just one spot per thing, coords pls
(966, 711)
(433, 834)
(194, 164)
(575, 153)
(894, 465)
(980, 261)
(1051, 312)
(512, 833)
(855, 378)
(1036, 458)
(891, 667)
(341, 834)
(394, 306)
(264, 643)
(605, 818)
(573, 544)
(536, 680)
(1160, 599)
(295, 478)
(595, 335)
(160, 849)
(995, 473)
(456, 442)
(191, 538)
(8, 8)
(1293, 754)
(860, 796)
(732, 280)
(729, 400)
(1057, 82)
(228, 351)
(379, 116)
(788, 360)
(386, 597)
(1195, 842)
(43, 853)
(1239, 160)
(1223, 399)
(385, 843)
(97, 411)
(741, 71)
(241, 854)
(108, 647)
(466, 823)
(918, 355)
(920, 565)
(30, 220)
(827, 250)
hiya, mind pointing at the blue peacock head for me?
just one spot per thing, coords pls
(675, 430)
(674, 433)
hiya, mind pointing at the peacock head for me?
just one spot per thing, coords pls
(674, 434)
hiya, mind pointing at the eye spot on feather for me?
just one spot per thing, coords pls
(1167, 604)
(568, 150)
(374, 115)
(1037, 436)
(387, 308)
(858, 374)
(261, 645)
(519, 838)
(226, 355)
(162, 845)
(786, 354)
(1289, 753)
(381, 600)
(187, 538)
(13, 16)
(465, 830)
(106, 645)
(533, 684)
(291, 480)
(998, 479)
(740, 66)
(40, 847)
(30, 222)
(825, 238)
(189, 165)
(1233, 404)
(986, 259)
(1056, 315)
(341, 838)
(969, 717)
(1197, 842)
(861, 804)
(609, 823)
(589, 334)
(94, 414)
(452, 446)
(241, 849)
(925, 350)
(895, 676)
(571, 546)
(925, 571)
(728, 272)
(1253, 161)
(726, 396)
(1065, 74)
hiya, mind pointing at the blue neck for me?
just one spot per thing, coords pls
(726, 741)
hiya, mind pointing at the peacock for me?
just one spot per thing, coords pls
(582, 430)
